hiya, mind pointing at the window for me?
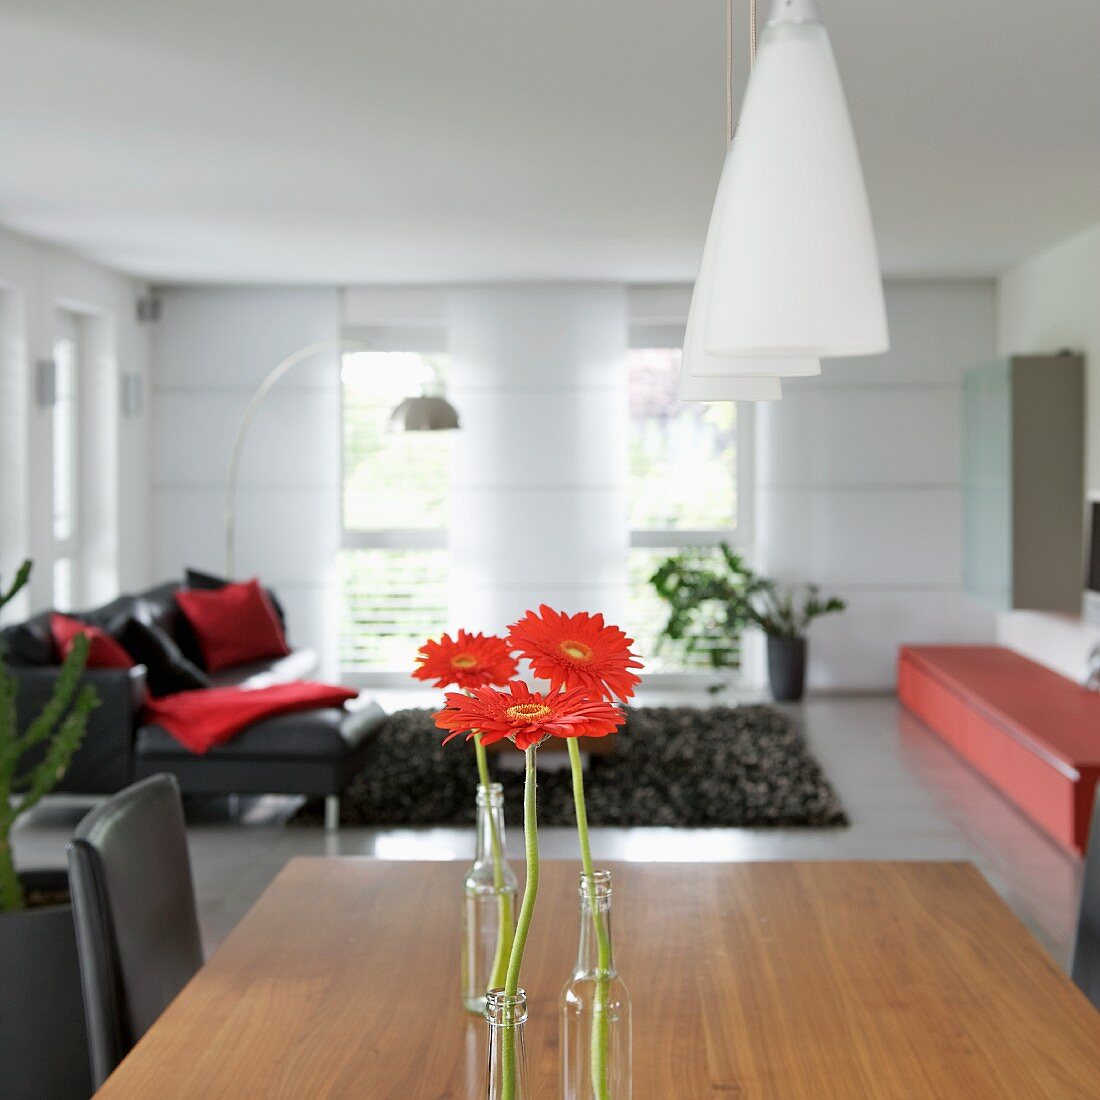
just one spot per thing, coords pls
(686, 487)
(394, 564)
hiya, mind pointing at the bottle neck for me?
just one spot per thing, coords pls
(490, 822)
(595, 956)
(506, 1016)
(504, 1010)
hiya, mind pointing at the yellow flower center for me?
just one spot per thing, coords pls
(576, 651)
(463, 661)
(527, 712)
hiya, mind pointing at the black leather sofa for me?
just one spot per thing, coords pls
(313, 753)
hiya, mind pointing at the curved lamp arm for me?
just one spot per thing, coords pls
(288, 364)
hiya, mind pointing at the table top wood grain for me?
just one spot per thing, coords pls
(772, 980)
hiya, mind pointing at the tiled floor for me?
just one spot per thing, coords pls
(908, 796)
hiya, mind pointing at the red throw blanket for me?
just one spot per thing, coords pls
(206, 717)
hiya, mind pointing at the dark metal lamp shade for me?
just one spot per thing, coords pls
(424, 414)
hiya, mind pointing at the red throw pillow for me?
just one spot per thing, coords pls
(103, 650)
(234, 624)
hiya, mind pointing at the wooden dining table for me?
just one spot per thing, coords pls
(772, 980)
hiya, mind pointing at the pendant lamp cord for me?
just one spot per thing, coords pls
(729, 59)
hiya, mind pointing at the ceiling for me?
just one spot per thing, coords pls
(408, 141)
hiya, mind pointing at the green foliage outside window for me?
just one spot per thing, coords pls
(683, 456)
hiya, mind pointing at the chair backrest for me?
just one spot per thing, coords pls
(137, 927)
(1085, 967)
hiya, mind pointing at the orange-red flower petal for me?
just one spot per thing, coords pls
(468, 661)
(577, 651)
(526, 717)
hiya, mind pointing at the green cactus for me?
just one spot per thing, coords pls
(60, 726)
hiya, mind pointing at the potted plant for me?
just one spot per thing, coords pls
(708, 592)
(713, 596)
(785, 615)
(43, 1044)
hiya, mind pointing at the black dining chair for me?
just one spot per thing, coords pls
(1085, 967)
(137, 927)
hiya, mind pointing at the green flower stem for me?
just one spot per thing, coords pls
(504, 900)
(600, 1023)
(531, 887)
(482, 761)
(523, 925)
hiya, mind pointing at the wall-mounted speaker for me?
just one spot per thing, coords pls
(148, 309)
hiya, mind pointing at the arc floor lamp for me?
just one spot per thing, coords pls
(419, 413)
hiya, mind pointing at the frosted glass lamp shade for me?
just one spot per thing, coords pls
(697, 386)
(697, 362)
(796, 271)
(729, 389)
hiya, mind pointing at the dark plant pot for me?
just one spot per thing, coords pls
(43, 1043)
(786, 668)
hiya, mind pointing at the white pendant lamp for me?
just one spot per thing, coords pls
(767, 388)
(697, 361)
(795, 271)
(706, 377)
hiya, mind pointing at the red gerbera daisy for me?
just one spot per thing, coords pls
(577, 651)
(525, 716)
(469, 661)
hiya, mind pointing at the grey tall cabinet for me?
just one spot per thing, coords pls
(1023, 482)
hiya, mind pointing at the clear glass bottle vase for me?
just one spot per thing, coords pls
(488, 904)
(507, 1074)
(595, 1006)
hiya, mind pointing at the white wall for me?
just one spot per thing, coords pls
(859, 486)
(1048, 302)
(212, 348)
(37, 280)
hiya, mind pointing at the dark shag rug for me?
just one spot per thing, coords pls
(681, 766)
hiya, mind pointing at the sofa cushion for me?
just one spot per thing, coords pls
(196, 578)
(158, 607)
(234, 624)
(108, 613)
(300, 664)
(168, 669)
(328, 733)
(103, 650)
